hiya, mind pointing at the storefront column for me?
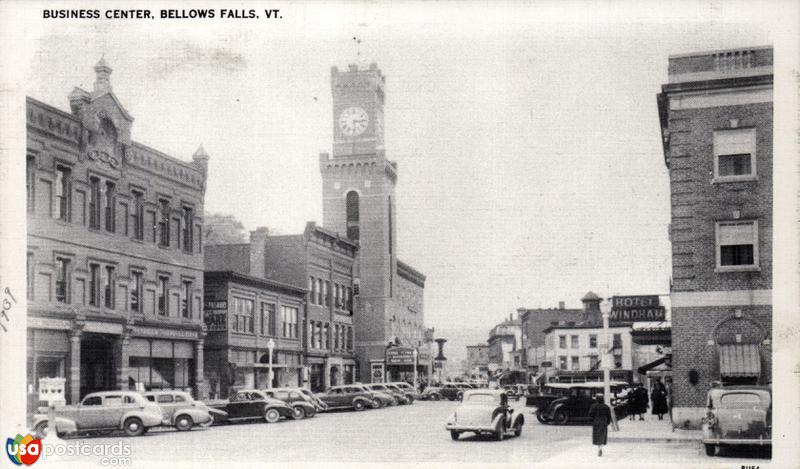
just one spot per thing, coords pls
(123, 361)
(326, 376)
(75, 366)
(199, 381)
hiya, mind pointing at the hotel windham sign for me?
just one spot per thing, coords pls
(628, 309)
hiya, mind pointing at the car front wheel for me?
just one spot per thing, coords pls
(435, 397)
(184, 423)
(40, 430)
(272, 415)
(541, 418)
(133, 427)
(410, 399)
(500, 434)
(358, 405)
(518, 430)
(560, 417)
(454, 434)
(711, 450)
(298, 413)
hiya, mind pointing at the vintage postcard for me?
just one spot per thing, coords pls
(458, 233)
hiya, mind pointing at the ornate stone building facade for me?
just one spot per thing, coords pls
(114, 261)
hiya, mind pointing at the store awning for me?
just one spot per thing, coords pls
(654, 364)
(739, 360)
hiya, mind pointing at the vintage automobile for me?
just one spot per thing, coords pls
(346, 397)
(569, 402)
(431, 393)
(321, 406)
(399, 396)
(738, 416)
(453, 391)
(302, 406)
(407, 389)
(104, 412)
(251, 404)
(379, 398)
(408, 395)
(485, 411)
(182, 410)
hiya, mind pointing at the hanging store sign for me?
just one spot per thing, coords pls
(627, 309)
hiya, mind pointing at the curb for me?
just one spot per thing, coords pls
(653, 439)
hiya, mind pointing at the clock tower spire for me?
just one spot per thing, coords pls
(358, 98)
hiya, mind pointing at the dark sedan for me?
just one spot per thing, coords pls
(252, 404)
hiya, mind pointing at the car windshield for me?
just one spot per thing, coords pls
(378, 387)
(740, 401)
(480, 399)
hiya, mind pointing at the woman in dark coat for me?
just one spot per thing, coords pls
(640, 401)
(600, 414)
(658, 398)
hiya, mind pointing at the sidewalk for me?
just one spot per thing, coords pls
(651, 429)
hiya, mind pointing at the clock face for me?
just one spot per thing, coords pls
(353, 121)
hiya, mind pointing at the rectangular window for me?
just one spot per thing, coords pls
(123, 207)
(737, 245)
(289, 321)
(94, 203)
(30, 182)
(320, 301)
(163, 223)
(574, 341)
(243, 315)
(138, 215)
(108, 287)
(593, 341)
(186, 305)
(267, 319)
(62, 280)
(562, 363)
(136, 292)
(154, 225)
(350, 300)
(312, 288)
(350, 338)
(337, 300)
(188, 235)
(110, 209)
(163, 304)
(94, 284)
(562, 341)
(617, 343)
(734, 154)
(63, 193)
(594, 362)
(319, 335)
(336, 337)
(575, 365)
(327, 292)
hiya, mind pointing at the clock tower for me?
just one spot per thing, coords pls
(358, 202)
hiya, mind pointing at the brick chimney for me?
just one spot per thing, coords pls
(561, 305)
(258, 252)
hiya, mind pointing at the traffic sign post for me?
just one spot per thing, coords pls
(605, 309)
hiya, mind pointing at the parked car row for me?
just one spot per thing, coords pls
(135, 413)
(449, 391)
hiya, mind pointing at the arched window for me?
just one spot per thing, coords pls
(352, 215)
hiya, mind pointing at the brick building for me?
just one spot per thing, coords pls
(716, 123)
(478, 360)
(358, 191)
(325, 261)
(244, 310)
(504, 339)
(535, 321)
(114, 261)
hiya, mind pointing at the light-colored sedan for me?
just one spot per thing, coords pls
(485, 411)
(104, 411)
(182, 410)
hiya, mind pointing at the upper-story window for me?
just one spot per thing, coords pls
(737, 245)
(574, 341)
(188, 234)
(242, 315)
(320, 301)
(63, 193)
(327, 292)
(267, 319)
(94, 284)
(352, 210)
(163, 290)
(138, 215)
(109, 287)
(30, 182)
(289, 321)
(593, 341)
(562, 341)
(94, 203)
(110, 198)
(186, 305)
(62, 280)
(617, 341)
(734, 154)
(136, 292)
(312, 290)
(163, 223)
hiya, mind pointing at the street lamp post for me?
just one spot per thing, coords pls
(416, 354)
(605, 310)
(270, 347)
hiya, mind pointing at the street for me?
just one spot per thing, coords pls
(403, 434)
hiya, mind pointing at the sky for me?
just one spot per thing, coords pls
(527, 135)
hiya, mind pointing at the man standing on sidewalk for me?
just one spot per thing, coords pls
(640, 401)
(600, 414)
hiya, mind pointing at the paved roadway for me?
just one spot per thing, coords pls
(401, 434)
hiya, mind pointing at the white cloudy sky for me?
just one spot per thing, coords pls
(527, 136)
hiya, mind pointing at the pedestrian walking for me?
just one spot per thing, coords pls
(658, 399)
(640, 401)
(600, 414)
